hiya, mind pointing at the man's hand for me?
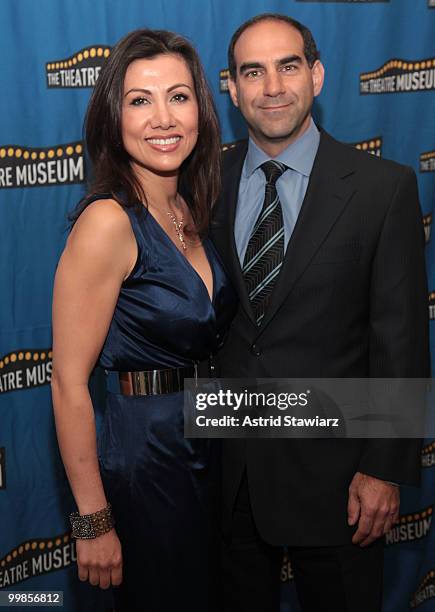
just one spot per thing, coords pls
(375, 503)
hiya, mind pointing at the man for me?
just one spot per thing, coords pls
(325, 247)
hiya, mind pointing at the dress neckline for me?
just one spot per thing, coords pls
(211, 298)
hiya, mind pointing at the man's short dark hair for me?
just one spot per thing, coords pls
(310, 48)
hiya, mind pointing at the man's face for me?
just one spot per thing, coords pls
(274, 86)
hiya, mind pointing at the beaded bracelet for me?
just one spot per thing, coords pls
(89, 526)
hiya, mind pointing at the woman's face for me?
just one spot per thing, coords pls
(159, 113)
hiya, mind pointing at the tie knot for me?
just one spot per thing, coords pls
(272, 170)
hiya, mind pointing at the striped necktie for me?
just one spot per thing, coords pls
(265, 251)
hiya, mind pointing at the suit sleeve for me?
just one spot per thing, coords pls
(398, 328)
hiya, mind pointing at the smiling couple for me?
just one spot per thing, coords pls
(310, 263)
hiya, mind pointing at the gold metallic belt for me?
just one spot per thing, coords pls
(155, 382)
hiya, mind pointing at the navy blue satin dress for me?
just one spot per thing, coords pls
(164, 489)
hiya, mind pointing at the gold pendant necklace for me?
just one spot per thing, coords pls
(178, 228)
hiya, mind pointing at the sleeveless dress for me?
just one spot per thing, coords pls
(164, 489)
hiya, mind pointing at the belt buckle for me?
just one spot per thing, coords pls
(156, 382)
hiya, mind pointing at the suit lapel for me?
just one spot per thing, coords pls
(224, 219)
(329, 190)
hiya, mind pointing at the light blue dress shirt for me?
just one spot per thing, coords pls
(291, 186)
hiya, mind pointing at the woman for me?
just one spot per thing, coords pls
(140, 291)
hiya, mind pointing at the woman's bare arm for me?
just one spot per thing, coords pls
(99, 255)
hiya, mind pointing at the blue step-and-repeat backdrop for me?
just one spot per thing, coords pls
(379, 95)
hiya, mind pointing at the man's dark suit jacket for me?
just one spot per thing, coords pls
(350, 301)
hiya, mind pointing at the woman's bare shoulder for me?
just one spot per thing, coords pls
(106, 214)
(102, 219)
(103, 232)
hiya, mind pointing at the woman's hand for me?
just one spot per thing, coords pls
(100, 560)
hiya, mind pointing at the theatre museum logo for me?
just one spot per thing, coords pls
(24, 369)
(427, 162)
(398, 75)
(411, 527)
(373, 146)
(80, 70)
(22, 166)
(223, 80)
(425, 591)
(428, 455)
(36, 557)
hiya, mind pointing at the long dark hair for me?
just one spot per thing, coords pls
(200, 173)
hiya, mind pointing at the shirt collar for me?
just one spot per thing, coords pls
(299, 155)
